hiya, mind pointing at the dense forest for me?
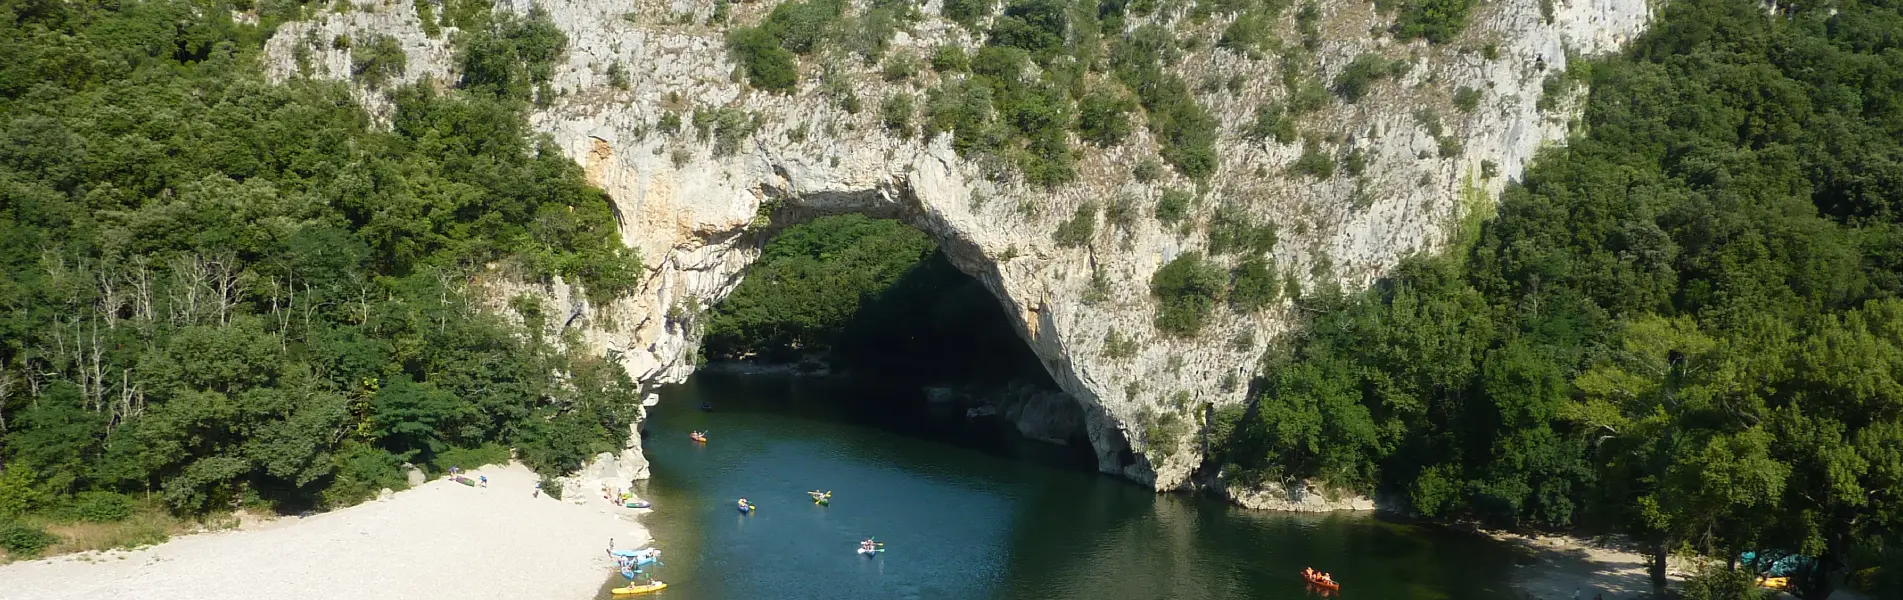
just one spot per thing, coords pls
(1685, 326)
(223, 292)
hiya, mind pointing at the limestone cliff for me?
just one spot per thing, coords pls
(698, 213)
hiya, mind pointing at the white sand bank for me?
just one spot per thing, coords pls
(1564, 564)
(441, 539)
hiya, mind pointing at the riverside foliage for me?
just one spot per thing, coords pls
(1684, 326)
(219, 290)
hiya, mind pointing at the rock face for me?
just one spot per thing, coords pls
(1297, 498)
(1040, 414)
(610, 471)
(698, 208)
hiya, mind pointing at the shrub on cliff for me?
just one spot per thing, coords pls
(1186, 290)
(1233, 230)
(1252, 285)
(1081, 226)
(1272, 122)
(1359, 76)
(1314, 162)
(968, 12)
(896, 114)
(1173, 206)
(376, 62)
(950, 58)
(510, 55)
(1436, 20)
(768, 65)
(1103, 118)
(1143, 60)
(799, 26)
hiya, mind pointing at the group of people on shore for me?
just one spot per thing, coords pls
(617, 496)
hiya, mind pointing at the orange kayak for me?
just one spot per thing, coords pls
(1321, 583)
(697, 438)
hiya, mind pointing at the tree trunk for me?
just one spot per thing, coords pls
(1815, 582)
(1655, 565)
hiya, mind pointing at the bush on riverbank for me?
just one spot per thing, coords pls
(102, 507)
(1715, 582)
(92, 522)
(24, 541)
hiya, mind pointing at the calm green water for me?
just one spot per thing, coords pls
(970, 516)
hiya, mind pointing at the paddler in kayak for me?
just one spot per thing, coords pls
(744, 506)
(868, 546)
(1317, 576)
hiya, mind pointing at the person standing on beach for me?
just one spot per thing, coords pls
(485, 483)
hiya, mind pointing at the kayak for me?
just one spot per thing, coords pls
(639, 589)
(638, 504)
(637, 558)
(746, 509)
(871, 552)
(1317, 582)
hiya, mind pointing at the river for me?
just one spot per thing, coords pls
(972, 516)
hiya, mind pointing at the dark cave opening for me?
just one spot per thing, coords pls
(872, 315)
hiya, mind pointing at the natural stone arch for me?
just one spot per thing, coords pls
(689, 211)
(774, 195)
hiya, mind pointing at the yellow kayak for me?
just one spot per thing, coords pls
(639, 589)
